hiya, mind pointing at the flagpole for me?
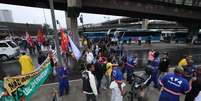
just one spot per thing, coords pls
(51, 2)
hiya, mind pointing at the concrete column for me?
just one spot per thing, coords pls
(73, 11)
(193, 31)
(73, 25)
(145, 23)
(67, 20)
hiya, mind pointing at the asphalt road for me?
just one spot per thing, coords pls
(176, 51)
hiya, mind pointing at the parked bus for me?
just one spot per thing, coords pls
(95, 36)
(132, 36)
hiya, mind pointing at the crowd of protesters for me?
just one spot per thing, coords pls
(102, 61)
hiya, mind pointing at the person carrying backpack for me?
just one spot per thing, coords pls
(89, 83)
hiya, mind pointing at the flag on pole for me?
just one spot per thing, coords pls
(64, 41)
(29, 39)
(40, 37)
(76, 52)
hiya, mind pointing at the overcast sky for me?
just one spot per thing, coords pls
(22, 14)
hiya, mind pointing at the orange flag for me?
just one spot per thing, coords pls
(64, 41)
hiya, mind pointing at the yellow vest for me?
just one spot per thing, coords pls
(26, 64)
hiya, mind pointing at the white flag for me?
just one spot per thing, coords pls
(75, 50)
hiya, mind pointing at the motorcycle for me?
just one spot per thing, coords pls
(138, 85)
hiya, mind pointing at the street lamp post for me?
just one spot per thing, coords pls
(55, 31)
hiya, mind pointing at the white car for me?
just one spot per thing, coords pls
(8, 50)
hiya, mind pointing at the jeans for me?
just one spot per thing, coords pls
(108, 80)
(90, 97)
(154, 78)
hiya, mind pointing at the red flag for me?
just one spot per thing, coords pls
(40, 37)
(64, 41)
(29, 39)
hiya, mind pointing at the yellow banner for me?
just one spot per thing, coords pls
(11, 84)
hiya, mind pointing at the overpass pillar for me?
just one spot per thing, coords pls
(193, 30)
(145, 23)
(73, 11)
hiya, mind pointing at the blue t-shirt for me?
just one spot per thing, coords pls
(131, 61)
(174, 86)
(62, 73)
(155, 63)
(117, 74)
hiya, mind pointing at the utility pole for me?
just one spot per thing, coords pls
(51, 2)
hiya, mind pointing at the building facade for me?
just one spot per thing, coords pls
(6, 16)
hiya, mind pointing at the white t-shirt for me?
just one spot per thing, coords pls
(89, 57)
(116, 93)
(198, 98)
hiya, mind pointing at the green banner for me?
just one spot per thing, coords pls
(36, 82)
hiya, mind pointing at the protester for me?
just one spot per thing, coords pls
(41, 57)
(196, 87)
(100, 70)
(117, 85)
(96, 50)
(154, 67)
(38, 46)
(130, 65)
(183, 62)
(164, 64)
(109, 68)
(89, 83)
(150, 56)
(62, 73)
(189, 70)
(139, 40)
(174, 85)
(120, 49)
(26, 63)
(2, 73)
(89, 57)
(31, 48)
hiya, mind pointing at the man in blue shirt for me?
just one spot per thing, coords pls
(130, 65)
(62, 73)
(154, 66)
(174, 85)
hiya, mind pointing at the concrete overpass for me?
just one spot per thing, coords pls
(188, 14)
(152, 9)
(137, 25)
